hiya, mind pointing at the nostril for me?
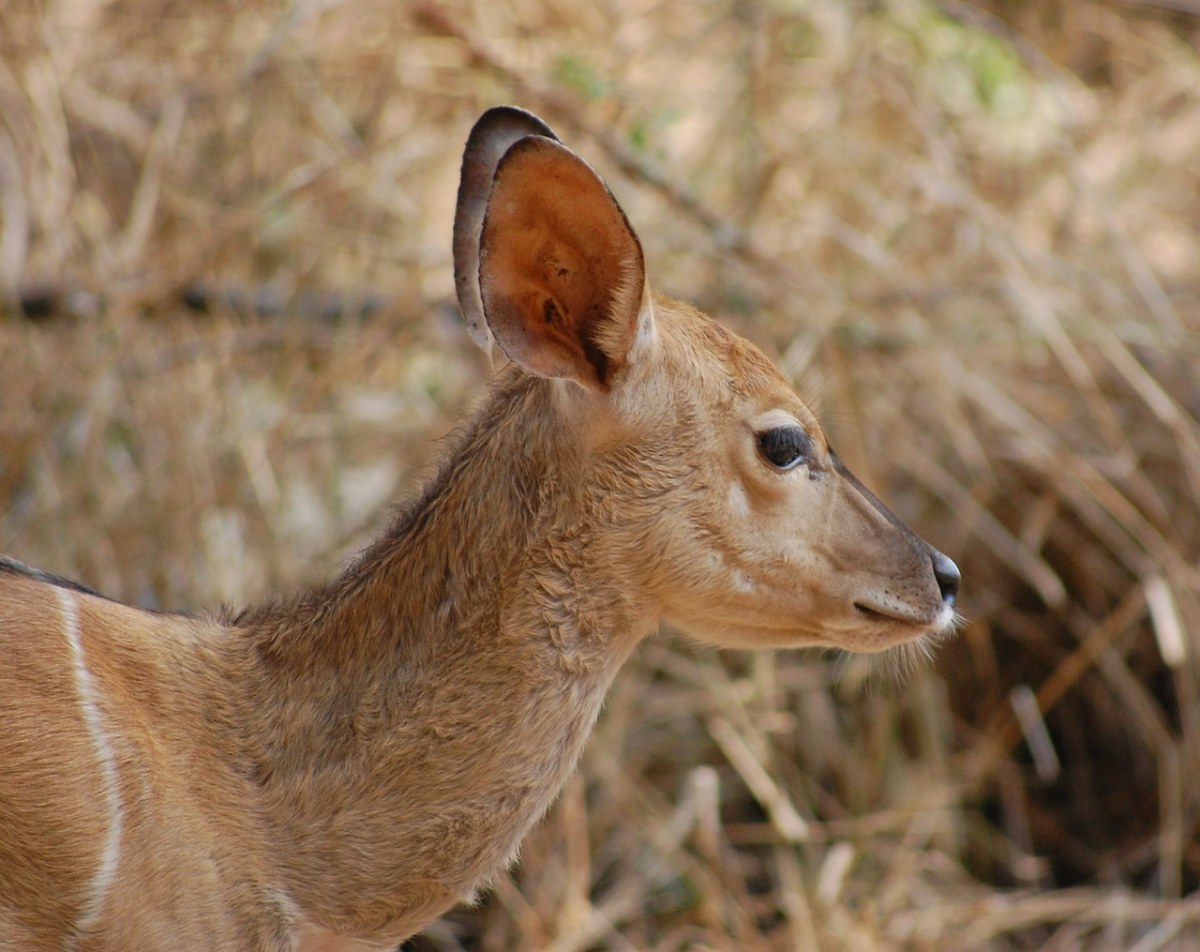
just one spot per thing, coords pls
(947, 575)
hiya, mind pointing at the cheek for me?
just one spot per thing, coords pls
(781, 520)
(784, 548)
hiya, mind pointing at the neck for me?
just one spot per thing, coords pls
(429, 704)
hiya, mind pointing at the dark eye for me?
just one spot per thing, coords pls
(785, 446)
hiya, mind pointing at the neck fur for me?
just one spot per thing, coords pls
(428, 704)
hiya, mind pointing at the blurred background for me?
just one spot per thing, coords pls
(968, 232)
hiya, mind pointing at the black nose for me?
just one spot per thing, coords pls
(947, 575)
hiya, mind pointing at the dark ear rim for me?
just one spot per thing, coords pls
(494, 133)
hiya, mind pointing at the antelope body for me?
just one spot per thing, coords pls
(334, 771)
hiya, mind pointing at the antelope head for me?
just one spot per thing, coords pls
(750, 530)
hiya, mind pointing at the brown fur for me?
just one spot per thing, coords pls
(336, 771)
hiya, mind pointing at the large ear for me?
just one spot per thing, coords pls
(496, 130)
(561, 272)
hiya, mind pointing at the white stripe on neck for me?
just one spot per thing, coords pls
(89, 703)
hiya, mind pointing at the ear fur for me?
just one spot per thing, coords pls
(561, 272)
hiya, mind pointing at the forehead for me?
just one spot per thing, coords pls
(718, 360)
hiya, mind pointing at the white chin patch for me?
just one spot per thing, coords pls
(944, 621)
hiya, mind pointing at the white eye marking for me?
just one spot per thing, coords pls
(739, 505)
(774, 420)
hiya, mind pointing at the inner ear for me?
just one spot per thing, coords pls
(561, 271)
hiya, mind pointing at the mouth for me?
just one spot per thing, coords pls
(942, 621)
(870, 612)
(895, 617)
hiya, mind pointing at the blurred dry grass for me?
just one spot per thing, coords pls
(970, 233)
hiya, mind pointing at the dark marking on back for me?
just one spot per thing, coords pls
(15, 567)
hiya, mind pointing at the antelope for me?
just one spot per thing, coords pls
(333, 771)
